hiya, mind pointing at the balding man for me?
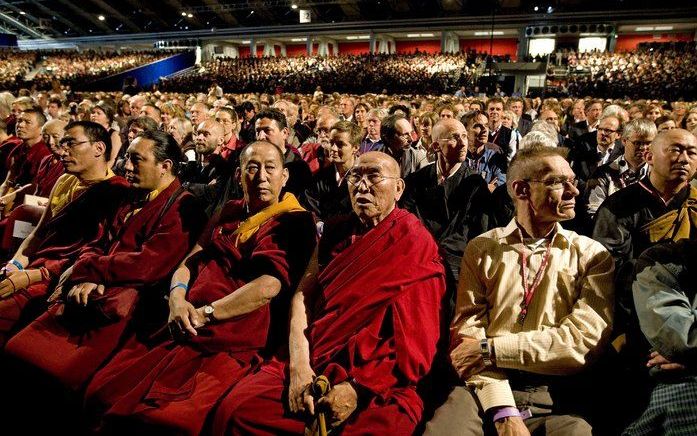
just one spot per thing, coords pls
(656, 208)
(369, 327)
(199, 113)
(50, 168)
(450, 198)
(521, 332)
(228, 303)
(136, 103)
(211, 174)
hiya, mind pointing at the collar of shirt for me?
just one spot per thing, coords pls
(511, 232)
(439, 172)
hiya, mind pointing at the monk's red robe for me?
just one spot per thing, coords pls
(173, 386)
(25, 161)
(81, 222)
(48, 173)
(69, 342)
(374, 320)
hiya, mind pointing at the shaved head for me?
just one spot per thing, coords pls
(258, 145)
(446, 127)
(672, 136)
(387, 162)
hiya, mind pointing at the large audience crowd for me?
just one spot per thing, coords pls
(662, 70)
(401, 73)
(252, 263)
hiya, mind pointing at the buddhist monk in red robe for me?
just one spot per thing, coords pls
(229, 305)
(80, 207)
(366, 316)
(98, 294)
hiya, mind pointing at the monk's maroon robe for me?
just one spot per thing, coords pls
(174, 385)
(375, 320)
(82, 221)
(47, 175)
(69, 342)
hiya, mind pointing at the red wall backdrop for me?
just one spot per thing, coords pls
(502, 46)
(354, 48)
(245, 51)
(295, 50)
(629, 42)
(423, 46)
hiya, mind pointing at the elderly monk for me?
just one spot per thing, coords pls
(534, 307)
(229, 303)
(365, 316)
(82, 203)
(149, 236)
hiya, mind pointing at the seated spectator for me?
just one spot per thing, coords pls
(516, 340)
(227, 118)
(483, 158)
(370, 328)
(114, 288)
(183, 132)
(624, 170)
(103, 114)
(426, 122)
(395, 132)
(664, 300)
(372, 140)
(665, 122)
(327, 195)
(316, 150)
(229, 304)
(82, 203)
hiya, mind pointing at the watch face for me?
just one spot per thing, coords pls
(208, 310)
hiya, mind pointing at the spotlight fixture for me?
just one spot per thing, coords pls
(294, 6)
(101, 18)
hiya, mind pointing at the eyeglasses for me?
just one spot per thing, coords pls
(67, 145)
(604, 130)
(556, 182)
(371, 178)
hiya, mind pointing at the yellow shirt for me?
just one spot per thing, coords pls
(67, 187)
(569, 318)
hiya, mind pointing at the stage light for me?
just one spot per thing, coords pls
(22, 13)
(183, 14)
(536, 9)
(190, 15)
(294, 6)
(101, 18)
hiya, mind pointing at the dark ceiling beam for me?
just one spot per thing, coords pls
(27, 15)
(226, 16)
(90, 18)
(147, 12)
(117, 15)
(52, 13)
(21, 26)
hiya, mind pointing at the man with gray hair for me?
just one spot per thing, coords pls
(519, 336)
(624, 170)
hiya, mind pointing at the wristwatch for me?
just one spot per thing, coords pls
(209, 312)
(485, 351)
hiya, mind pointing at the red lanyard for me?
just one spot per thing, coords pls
(530, 289)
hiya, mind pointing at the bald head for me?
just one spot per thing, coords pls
(209, 135)
(446, 127)
(673, 159)
(53, 132)
(672, 136)
(374, 187)
(260, 147)
(388, 165)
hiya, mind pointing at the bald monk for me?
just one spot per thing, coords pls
(366, 316)
(128, 266)
(80, 206)
(229, 303)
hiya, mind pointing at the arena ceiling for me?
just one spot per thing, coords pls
(39, 19)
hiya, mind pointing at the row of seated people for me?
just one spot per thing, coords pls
(567, 331)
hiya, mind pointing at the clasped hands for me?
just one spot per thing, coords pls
(339, 403)
(184, 318)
